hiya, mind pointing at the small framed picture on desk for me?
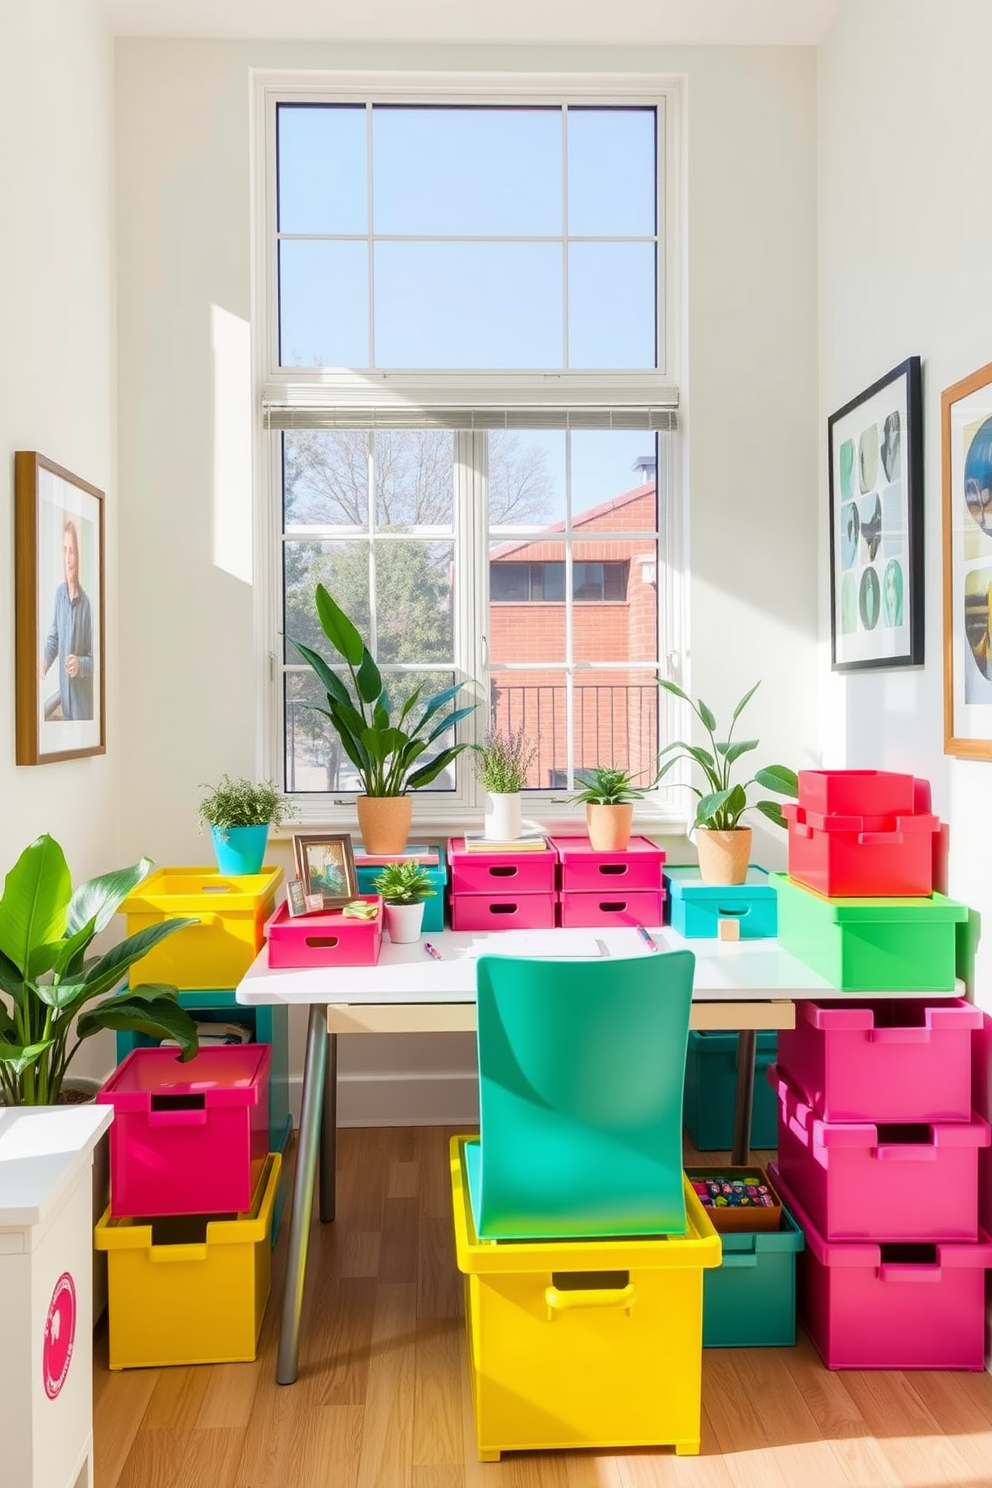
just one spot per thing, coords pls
(325, 864)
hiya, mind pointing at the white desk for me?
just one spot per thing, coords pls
(742, 985)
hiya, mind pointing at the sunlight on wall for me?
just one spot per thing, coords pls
(230, 342)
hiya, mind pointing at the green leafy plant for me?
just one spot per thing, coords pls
(403, 883)
(47, 981)
(607, 785)
(243, 803)
(384, 752)
(722, 804)
(503, 760)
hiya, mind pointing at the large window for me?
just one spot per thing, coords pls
(468, 416)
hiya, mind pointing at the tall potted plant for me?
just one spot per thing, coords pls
(239, 814)
(609, 793)
(502, 761)
(47, 981)
(385, 746)
(723, 845)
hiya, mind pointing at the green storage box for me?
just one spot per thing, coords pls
(711, 1091)
(749, 1300)
(871, 945)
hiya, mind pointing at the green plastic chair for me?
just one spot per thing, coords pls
(581, 1065)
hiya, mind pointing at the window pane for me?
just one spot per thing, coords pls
(534, 702)
(526, 478)
(526, 606)
(612, 173)
(414, 584)
(323, 304)
(343, 569)
(468, 305)
(616, 721)
(414, 479)
(613, 480)
(611, 305)
(323, 172)
(326, 479)
(467, 172)
(616, 601)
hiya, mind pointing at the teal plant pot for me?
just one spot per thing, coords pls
(242, 851)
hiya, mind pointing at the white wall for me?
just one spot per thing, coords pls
(57, 378)
(184, 303)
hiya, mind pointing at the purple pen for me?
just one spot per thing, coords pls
(433, 951)
(646, 938)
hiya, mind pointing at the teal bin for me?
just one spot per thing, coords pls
(433, 907)
(711, 1090)
(749, 1300)
(695, 908)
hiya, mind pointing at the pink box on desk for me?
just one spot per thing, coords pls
(612, 907)
(878, 1306)
(326, 939)
(905, 1181)
(502, 912)
(505, 873)
(585, 870)
(188, 1138)
(883, 1061)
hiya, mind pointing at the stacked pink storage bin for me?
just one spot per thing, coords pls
(502, 890)
(609, 888)
(878, 1161)
(856, 833)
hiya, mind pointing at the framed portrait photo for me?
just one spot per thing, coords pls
(966, 461)
(325, 864)
(875, 446)
(59, 584)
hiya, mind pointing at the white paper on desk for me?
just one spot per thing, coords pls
(549, 943)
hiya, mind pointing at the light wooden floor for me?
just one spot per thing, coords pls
(383, 1396)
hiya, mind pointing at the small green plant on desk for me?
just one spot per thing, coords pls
(403, 883)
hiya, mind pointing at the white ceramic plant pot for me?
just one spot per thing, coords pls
(404, 921)
(503, 814)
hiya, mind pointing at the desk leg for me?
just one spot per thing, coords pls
(314, 1075)
(741, 1154)
(329, 1132)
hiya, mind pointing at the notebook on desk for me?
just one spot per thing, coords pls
(553, 944)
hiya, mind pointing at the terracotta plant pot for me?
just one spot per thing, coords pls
(609, 826)
(384, 822)
(723, 856)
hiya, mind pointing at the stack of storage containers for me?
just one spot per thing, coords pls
(609, 888)
(501, 890)
(192, 1191)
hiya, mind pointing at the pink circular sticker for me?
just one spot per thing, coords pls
(60, 1334)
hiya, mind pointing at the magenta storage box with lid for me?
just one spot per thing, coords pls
(188, 1138)
(857, 855)
(506, 911)
(611, 906)
(882, 1061)
(584, 869)
(508, 874)
(900, 1181)
(871, 793)
(878, 1306)
(325, 939)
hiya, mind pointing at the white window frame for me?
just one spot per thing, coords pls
(441, 813)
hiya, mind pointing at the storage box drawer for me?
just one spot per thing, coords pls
(844, 856)
(900, 1181)
(487, 912)
(610, 906)
(584, 870)
(218, 951)
(696, 908)
(529, 872)
(327, 939)
(885, 1061)
(711, 1090)
(749, 1300)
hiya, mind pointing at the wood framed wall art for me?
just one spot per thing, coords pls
(60, 582)
(966, 461)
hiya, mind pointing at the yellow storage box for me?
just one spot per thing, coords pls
(189, 1289)
(584, 1343)
(218, 951)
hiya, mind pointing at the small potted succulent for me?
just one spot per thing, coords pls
(404, 887)
(609, 793)
(239, 813)
(502, 761)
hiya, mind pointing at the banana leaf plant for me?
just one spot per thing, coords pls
(384, 751)
(721, 806)
(47, 982)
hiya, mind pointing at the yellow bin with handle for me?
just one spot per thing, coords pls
(216, 952)
(584, 1343)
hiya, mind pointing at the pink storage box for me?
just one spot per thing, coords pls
(188, 1138)
(492, 912)
(612, 907)
(885, 1061)
(842, 856)
(874, 1181)
(325, 939)
(870, 793)
(883, 1306)
(506, 874)
(584, 870)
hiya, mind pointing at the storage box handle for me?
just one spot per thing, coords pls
(735, 911)
(321, 940)
(569, 1301)
(898, 1035)
(188, 1109)
(160, 1253)
(906, 1152)
(503, 870)
(739, 1259)
(880, 839)
(896, 1271)
(612, 906)
(503, 909)
(613, 868)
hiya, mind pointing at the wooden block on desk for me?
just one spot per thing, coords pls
(728, 929)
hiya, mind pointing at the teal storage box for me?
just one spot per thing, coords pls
(749, 1300)
(871, 945)
(711, 1089)
(437, 872)
(695, 907)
